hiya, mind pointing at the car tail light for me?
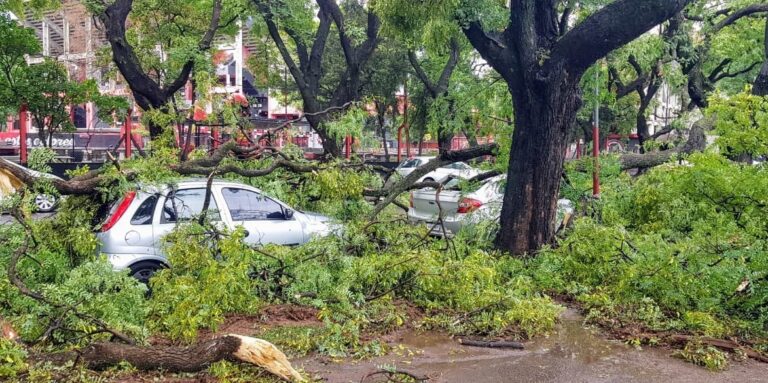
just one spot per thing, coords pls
(410, 200)
(468, 205)
(121, 208)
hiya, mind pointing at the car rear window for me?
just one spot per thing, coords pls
(143, 215)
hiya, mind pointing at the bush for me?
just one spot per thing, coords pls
(209, 279)
(683, 248)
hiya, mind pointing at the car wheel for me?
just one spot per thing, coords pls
(45, 203)
(144, 270)
(429, 179)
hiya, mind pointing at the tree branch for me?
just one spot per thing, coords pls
(738, 14)
(609, 28)
(445, 158)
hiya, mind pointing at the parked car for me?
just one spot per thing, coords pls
(44, 203)
(459, 210)
(456, 169)
(131, 234)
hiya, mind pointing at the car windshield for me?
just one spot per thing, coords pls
(410, 163)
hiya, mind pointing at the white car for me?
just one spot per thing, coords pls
(132, 232)
(456, 169)
(458, 209)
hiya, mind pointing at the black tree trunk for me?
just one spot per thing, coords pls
(543, 114)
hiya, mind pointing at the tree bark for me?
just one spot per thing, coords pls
(198, 357)
(546, 96)
(542, 118)
(760, 86)
(697, 141)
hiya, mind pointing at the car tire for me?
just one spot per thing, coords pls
(45, 203)
(144, 270)
(429, 179)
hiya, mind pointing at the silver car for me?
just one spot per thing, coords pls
(441, 174)
(132, 232)
(459, 209)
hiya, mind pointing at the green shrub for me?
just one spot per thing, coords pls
(209, 279)
(12, 359)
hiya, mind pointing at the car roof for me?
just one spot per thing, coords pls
(195, 183)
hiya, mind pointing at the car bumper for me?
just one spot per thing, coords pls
(451, 225)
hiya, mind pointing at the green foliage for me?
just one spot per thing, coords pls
(683, 248)
(114, 297)
(707, 356)
(349, 124)
(230, 372)
(15, 43)
(12, 359)
(47, 91)
(742, 123)
(205, 282)
(40, 158)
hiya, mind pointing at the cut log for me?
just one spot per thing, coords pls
(494, 344)
(99, 356)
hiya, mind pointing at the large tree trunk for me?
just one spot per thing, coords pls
(542, 64)
(330, 144)
(444, 140)
(543, 115)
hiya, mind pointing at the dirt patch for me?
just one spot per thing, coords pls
(293, 315)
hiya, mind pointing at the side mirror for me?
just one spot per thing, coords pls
(288, 213)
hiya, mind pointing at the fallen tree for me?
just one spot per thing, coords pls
(409, 182)
(101, 355)
(232, 347)
(696, 142)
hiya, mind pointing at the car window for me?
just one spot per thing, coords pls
(414, 163)
(185, 204)
(143, 215)
(246, 205)
(454, 182)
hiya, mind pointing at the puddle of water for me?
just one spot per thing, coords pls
(573, 354)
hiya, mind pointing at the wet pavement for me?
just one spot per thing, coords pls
(573, 354)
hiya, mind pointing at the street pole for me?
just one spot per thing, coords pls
(128, 135)
(405, 121)
(596, 139)
(23, 134)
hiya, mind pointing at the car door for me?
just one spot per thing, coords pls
(263, 218)
(179, 206)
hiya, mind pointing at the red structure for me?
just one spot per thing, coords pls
(23, 134)
(127, 134)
